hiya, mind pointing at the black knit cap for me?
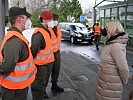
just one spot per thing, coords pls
(55, 17)
(15, 11)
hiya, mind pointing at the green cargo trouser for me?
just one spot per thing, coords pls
(42, 77)
(18, 94)
(56, 67)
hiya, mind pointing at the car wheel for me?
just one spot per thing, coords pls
(72, 39)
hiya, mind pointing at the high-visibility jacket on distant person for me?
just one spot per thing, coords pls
(56, 40)
(97, 30)
(44, 56)
(24, 72)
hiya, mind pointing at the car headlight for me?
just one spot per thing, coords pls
(78, 35)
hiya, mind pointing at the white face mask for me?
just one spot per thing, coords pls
(51, 24)
(28, 24)
(55, 23)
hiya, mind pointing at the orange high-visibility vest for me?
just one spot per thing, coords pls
(59, 37)
(97, 30)
(24, 72)
(54, 40)
(44, 56)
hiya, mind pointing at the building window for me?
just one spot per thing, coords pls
(107, 13)
(129, 17)
(114, 13)
(122, 15)
(101, 13)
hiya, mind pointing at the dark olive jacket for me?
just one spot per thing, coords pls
(38, 42)
(14, 51)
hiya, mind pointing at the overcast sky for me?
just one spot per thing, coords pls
(86, 4)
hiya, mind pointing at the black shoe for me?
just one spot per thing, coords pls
(97, 48)
(56, 88)
(45, 96)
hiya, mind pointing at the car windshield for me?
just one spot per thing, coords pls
(81, 29)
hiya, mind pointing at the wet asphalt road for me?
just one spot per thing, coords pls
(83, 60)
(89, 51)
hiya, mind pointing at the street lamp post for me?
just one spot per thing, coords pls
(94, 10)
(3, 11)
(94, 15)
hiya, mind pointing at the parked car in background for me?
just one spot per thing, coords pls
(75, 32)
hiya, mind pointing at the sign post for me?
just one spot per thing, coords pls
(69, 18)
(82, 18)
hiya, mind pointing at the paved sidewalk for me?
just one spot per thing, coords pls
(69, 94)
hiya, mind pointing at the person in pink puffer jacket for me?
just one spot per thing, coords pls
(113, 72)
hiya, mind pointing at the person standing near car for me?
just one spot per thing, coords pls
(97, 35)
(41, 48)
(17, 69)
(56, 44)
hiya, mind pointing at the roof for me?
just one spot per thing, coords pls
(77, 24)
(116, 4)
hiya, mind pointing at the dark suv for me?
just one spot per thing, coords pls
(75, 32)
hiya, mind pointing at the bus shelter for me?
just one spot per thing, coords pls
(121, 10)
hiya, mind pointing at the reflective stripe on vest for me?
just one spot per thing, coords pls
(24, 72)
(19, 79)
(55, 45)
(54, 40)
(46, 52)
(44, 56)
(23, 67)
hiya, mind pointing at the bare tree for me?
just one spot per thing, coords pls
(33, 5)
(18, 3)
(45, 4)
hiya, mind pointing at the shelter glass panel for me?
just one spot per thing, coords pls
(122, 15)
(101, 13)
(129, 24)
(114, 13)
(107, 13)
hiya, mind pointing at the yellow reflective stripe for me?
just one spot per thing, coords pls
(23, 67)
(19, 79)
(44, 58)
